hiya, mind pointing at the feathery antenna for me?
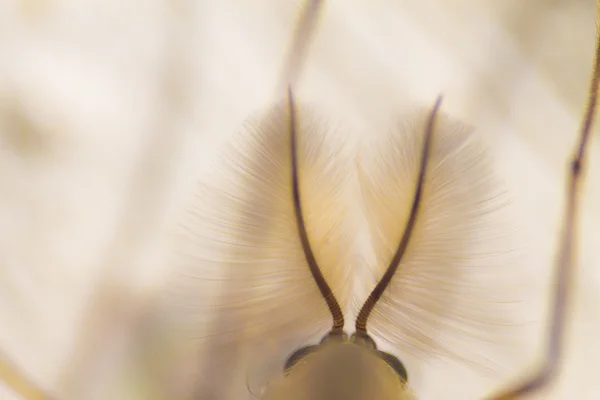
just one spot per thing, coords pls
(369, 305)
(326, 292)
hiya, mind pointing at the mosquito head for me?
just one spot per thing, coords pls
(341, 368)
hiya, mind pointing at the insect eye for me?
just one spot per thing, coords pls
(395, 363)
(297, 356)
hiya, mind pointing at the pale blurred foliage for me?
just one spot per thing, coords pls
(111, 110)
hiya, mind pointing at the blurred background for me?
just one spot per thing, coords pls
(111, 111)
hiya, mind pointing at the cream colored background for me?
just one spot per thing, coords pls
(111, 110)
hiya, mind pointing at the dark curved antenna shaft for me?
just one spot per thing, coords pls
(564, 268)
(332, 304)
(365, 311)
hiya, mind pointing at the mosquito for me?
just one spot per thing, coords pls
(273, 164)
(281, 234)
(346, 366)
